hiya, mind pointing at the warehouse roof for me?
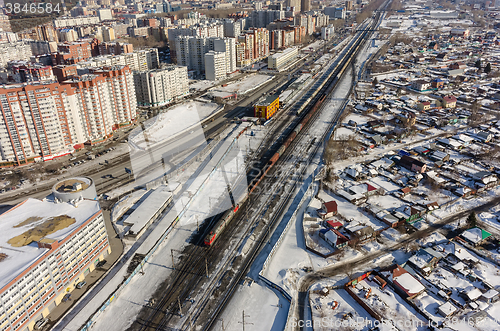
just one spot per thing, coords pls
(269, 100)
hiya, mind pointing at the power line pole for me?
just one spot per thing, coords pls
(206, 266)
(172, 253)
(180, 307)
(243, 320)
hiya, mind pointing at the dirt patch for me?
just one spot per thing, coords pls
(49, 226)
(28, 221)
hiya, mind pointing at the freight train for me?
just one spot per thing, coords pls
(323, 91)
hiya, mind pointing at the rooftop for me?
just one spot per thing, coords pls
(37, 220)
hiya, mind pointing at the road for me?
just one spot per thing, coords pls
(337, 269)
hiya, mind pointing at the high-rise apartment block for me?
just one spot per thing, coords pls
(215, 65)
(156, 88)
(38, 271)
(106, 100)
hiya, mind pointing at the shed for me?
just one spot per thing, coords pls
(447, 309)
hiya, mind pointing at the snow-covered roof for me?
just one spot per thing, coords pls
(473, 293)
(331, 237)
(490, 294)
(447, 309)
(148, 208)
(33, 213)
(475, 235)
(459, 251)
(409, 283)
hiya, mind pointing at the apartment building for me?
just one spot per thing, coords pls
(14, 51)
(156, 88)
(71, 53)
(36, 273)
(280, 60)
(141, 60)
(75, 21)
(38, 121)
(106, 99)
(227, 45)
(215, 65)
(25, 72)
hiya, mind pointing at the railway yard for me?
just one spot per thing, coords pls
(362, 202)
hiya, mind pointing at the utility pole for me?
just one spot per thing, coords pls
(172, 253)
(180, 307)
(243, 320)
(223, 328)
(206, 266)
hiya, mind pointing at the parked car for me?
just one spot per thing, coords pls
(81, 284)
(40, 323)
(66, 297)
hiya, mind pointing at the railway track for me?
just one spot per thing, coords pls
(196, 266)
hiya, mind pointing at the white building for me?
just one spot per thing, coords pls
(108, 34)
(105, 14)
(14, 51)
(63, 22)
(215, 65)
(141, 60)
(232, 28)
(159, 87)
(327, 32)
(227, 45)
(47, 248)
(282, 59)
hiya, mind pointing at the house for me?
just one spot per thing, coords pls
(475, 236)
(421, 150)
(426, 105)
(455, 252)
(329, 209)
(484, 136)
(425, 260)
(363, 233)
(333, 224)
(439, 156)
(420, 85)
(455, 72)
(449, 101)
(409, 214)
(464, 191)
(464, 139)
(470, 293)
(491, 296)
(442, 57)
(447, 309)
(437, 83)
(457, 65)
(412, 164)
(433, 45)
(405, 191)
(334, 238)
(403, 281)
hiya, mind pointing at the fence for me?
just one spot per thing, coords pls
(139, 267)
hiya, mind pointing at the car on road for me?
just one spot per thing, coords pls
(101, 263)
(81, 284)
(40, 323)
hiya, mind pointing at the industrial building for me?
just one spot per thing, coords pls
(147, 212)
(47, 247)
(268, 107)
(281, 59)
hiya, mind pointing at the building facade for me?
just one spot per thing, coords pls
(36, 274)
(156, 88)
(215, 65)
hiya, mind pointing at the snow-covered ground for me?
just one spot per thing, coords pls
(244, 85)
(168, 124)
